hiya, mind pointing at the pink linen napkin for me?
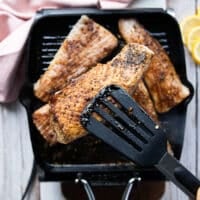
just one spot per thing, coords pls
(16, 18)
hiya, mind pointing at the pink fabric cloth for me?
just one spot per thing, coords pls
(16, 17)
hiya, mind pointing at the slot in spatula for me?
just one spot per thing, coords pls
(118, 120)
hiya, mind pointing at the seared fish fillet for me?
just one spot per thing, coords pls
(86, 44)
(161, 78)
(125, 70)
(41, 119)
(142, 97)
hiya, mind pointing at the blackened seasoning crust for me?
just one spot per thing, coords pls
(136, 58)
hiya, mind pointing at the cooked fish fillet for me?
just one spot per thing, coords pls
(125, 70)
(86, 44)
(142, 97)
(161, 78)
(41, 119)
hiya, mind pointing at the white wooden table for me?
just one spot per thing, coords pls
(16, 155)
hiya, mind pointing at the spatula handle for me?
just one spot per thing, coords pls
(177, 173)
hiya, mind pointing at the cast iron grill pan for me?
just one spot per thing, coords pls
(88, 156)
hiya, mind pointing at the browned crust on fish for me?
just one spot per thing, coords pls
(142, 97)
(161, 78)
(41, 119)
(86, 44)
(125, 70)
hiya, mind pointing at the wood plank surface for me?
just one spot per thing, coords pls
(189, 154)
(16, 153)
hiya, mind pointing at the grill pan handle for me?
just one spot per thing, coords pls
(131, 183)
(87, 188)
(90, 194)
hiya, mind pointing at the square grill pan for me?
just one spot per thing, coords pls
(89, 157)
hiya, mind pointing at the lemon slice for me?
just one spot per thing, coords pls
(187, 25)
(196, 52)
(193, 37)
(198, 11)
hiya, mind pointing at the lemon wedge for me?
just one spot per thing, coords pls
(187, 25)
(198, 11)
(193, 37)
(196, 52)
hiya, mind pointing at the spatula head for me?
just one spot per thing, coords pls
(119, 121)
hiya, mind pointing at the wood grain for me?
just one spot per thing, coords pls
(15, 151)
(189, 154)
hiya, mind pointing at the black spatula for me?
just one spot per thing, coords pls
(116, 118)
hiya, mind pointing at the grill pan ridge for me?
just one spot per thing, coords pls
(89, 157)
